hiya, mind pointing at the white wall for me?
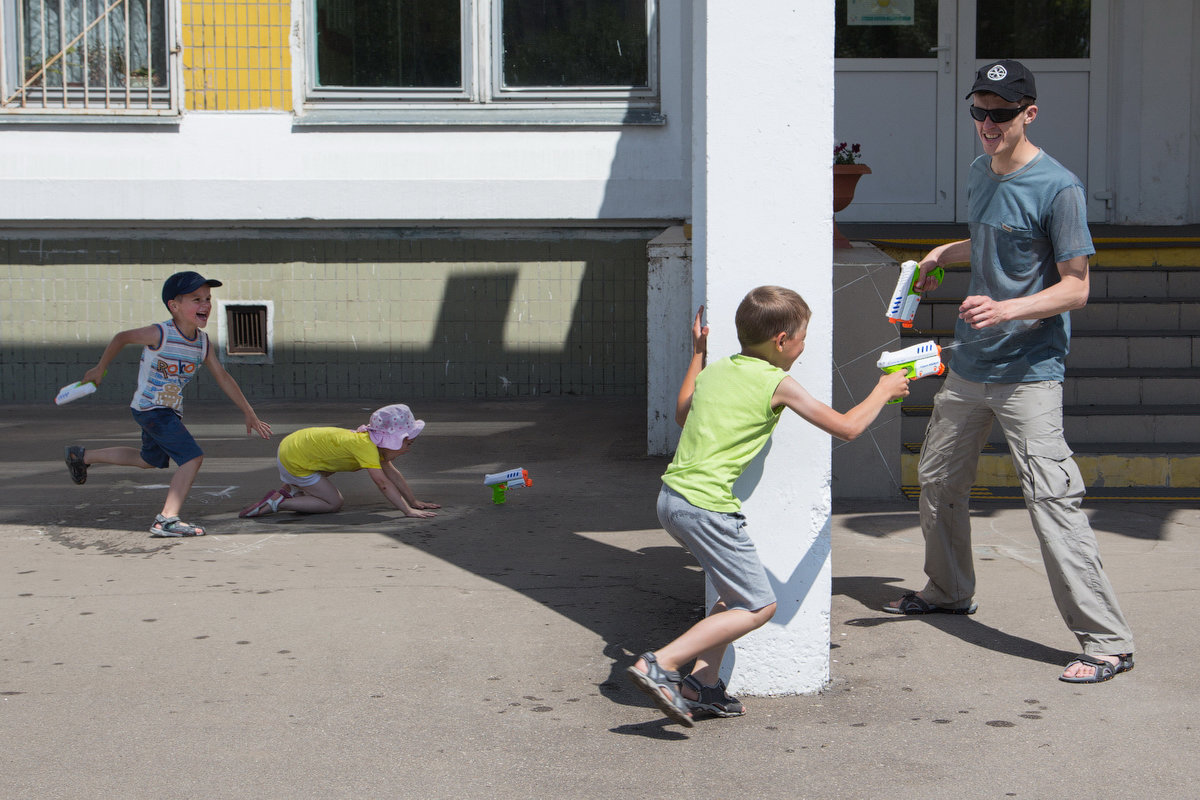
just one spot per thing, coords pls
(1155, 127)
(763, 215)
(256, 167)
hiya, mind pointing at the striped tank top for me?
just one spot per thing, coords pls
(166, 369)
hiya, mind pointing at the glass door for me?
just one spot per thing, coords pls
(903, 68)
(893, 94)
(1065, 44)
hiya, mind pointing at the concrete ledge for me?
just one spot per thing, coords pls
(1144, 470)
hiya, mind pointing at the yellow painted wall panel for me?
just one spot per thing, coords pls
(227, 48)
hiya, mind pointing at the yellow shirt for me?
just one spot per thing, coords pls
(729, 422)
(311, 450)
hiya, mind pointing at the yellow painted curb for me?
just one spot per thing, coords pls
(1180, 252)
(1124, 471)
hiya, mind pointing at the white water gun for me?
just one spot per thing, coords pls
(73, 391)
(918, 361)
(501, 482)
(905, 297)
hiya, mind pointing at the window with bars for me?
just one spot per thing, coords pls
(246, 330)
(482, 53)
(86, 56)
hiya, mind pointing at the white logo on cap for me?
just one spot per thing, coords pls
(997, 73)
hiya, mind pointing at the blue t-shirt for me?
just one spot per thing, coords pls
(1022, 224)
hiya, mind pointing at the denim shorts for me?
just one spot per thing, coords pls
(164, 438)
(718, 540)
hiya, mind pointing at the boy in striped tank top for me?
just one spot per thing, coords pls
(172, 352)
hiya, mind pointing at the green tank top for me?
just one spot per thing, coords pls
(730, 420)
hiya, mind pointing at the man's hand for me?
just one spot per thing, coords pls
(981, 311)
(927, 282)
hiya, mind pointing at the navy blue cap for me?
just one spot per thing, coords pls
(1011, 80)
(184, 283)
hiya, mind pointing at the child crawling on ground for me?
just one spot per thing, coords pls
(308, 457)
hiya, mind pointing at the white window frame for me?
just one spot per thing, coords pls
(482, 99)
(128, 102)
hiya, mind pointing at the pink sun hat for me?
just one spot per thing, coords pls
(391, 425)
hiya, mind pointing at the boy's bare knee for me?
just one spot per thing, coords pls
(764, 614)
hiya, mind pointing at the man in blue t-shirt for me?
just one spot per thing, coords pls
(1028, 252)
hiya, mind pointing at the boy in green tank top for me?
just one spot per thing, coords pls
(728, 411)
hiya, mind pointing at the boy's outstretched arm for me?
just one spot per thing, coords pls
(148, 336)
(234, 392)
(683, 404)
(846, 426)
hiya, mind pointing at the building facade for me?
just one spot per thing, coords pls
(459, 207)
(455, 198)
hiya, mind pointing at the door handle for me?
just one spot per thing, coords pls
(945, 51)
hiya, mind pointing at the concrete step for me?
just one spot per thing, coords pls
(1127, 314)
(1095, 424)
(1118, 494)
(1136, 465)
(1094, 387)
(1134, 349)
(1109, 282)
(1132, 391)
(1104, 349)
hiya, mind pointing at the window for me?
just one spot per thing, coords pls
(85, 56)
(1029, 29)
(483, 55)
(245, 331)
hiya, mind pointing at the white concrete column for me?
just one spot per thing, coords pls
(668, 343)
(762, 214)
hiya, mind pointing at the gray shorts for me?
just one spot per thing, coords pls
(718, 540)
(287, 477)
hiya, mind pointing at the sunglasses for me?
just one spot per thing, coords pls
(998, 115)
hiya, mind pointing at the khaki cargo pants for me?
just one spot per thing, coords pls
(1030, 415)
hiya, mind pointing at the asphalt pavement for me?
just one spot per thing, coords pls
(479, 654)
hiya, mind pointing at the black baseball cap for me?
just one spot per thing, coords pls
(1008, 79)
(184, 283)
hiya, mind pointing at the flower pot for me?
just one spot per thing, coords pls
(845, 178)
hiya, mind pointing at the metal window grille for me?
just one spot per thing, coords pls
(77, 56)
(246, 327)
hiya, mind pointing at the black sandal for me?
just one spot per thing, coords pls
(76, 464)
(1104, 670)
(713, 699)
(913, 604)
(663, 688)
(174, 528)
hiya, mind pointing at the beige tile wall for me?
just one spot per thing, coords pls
(379, 317)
